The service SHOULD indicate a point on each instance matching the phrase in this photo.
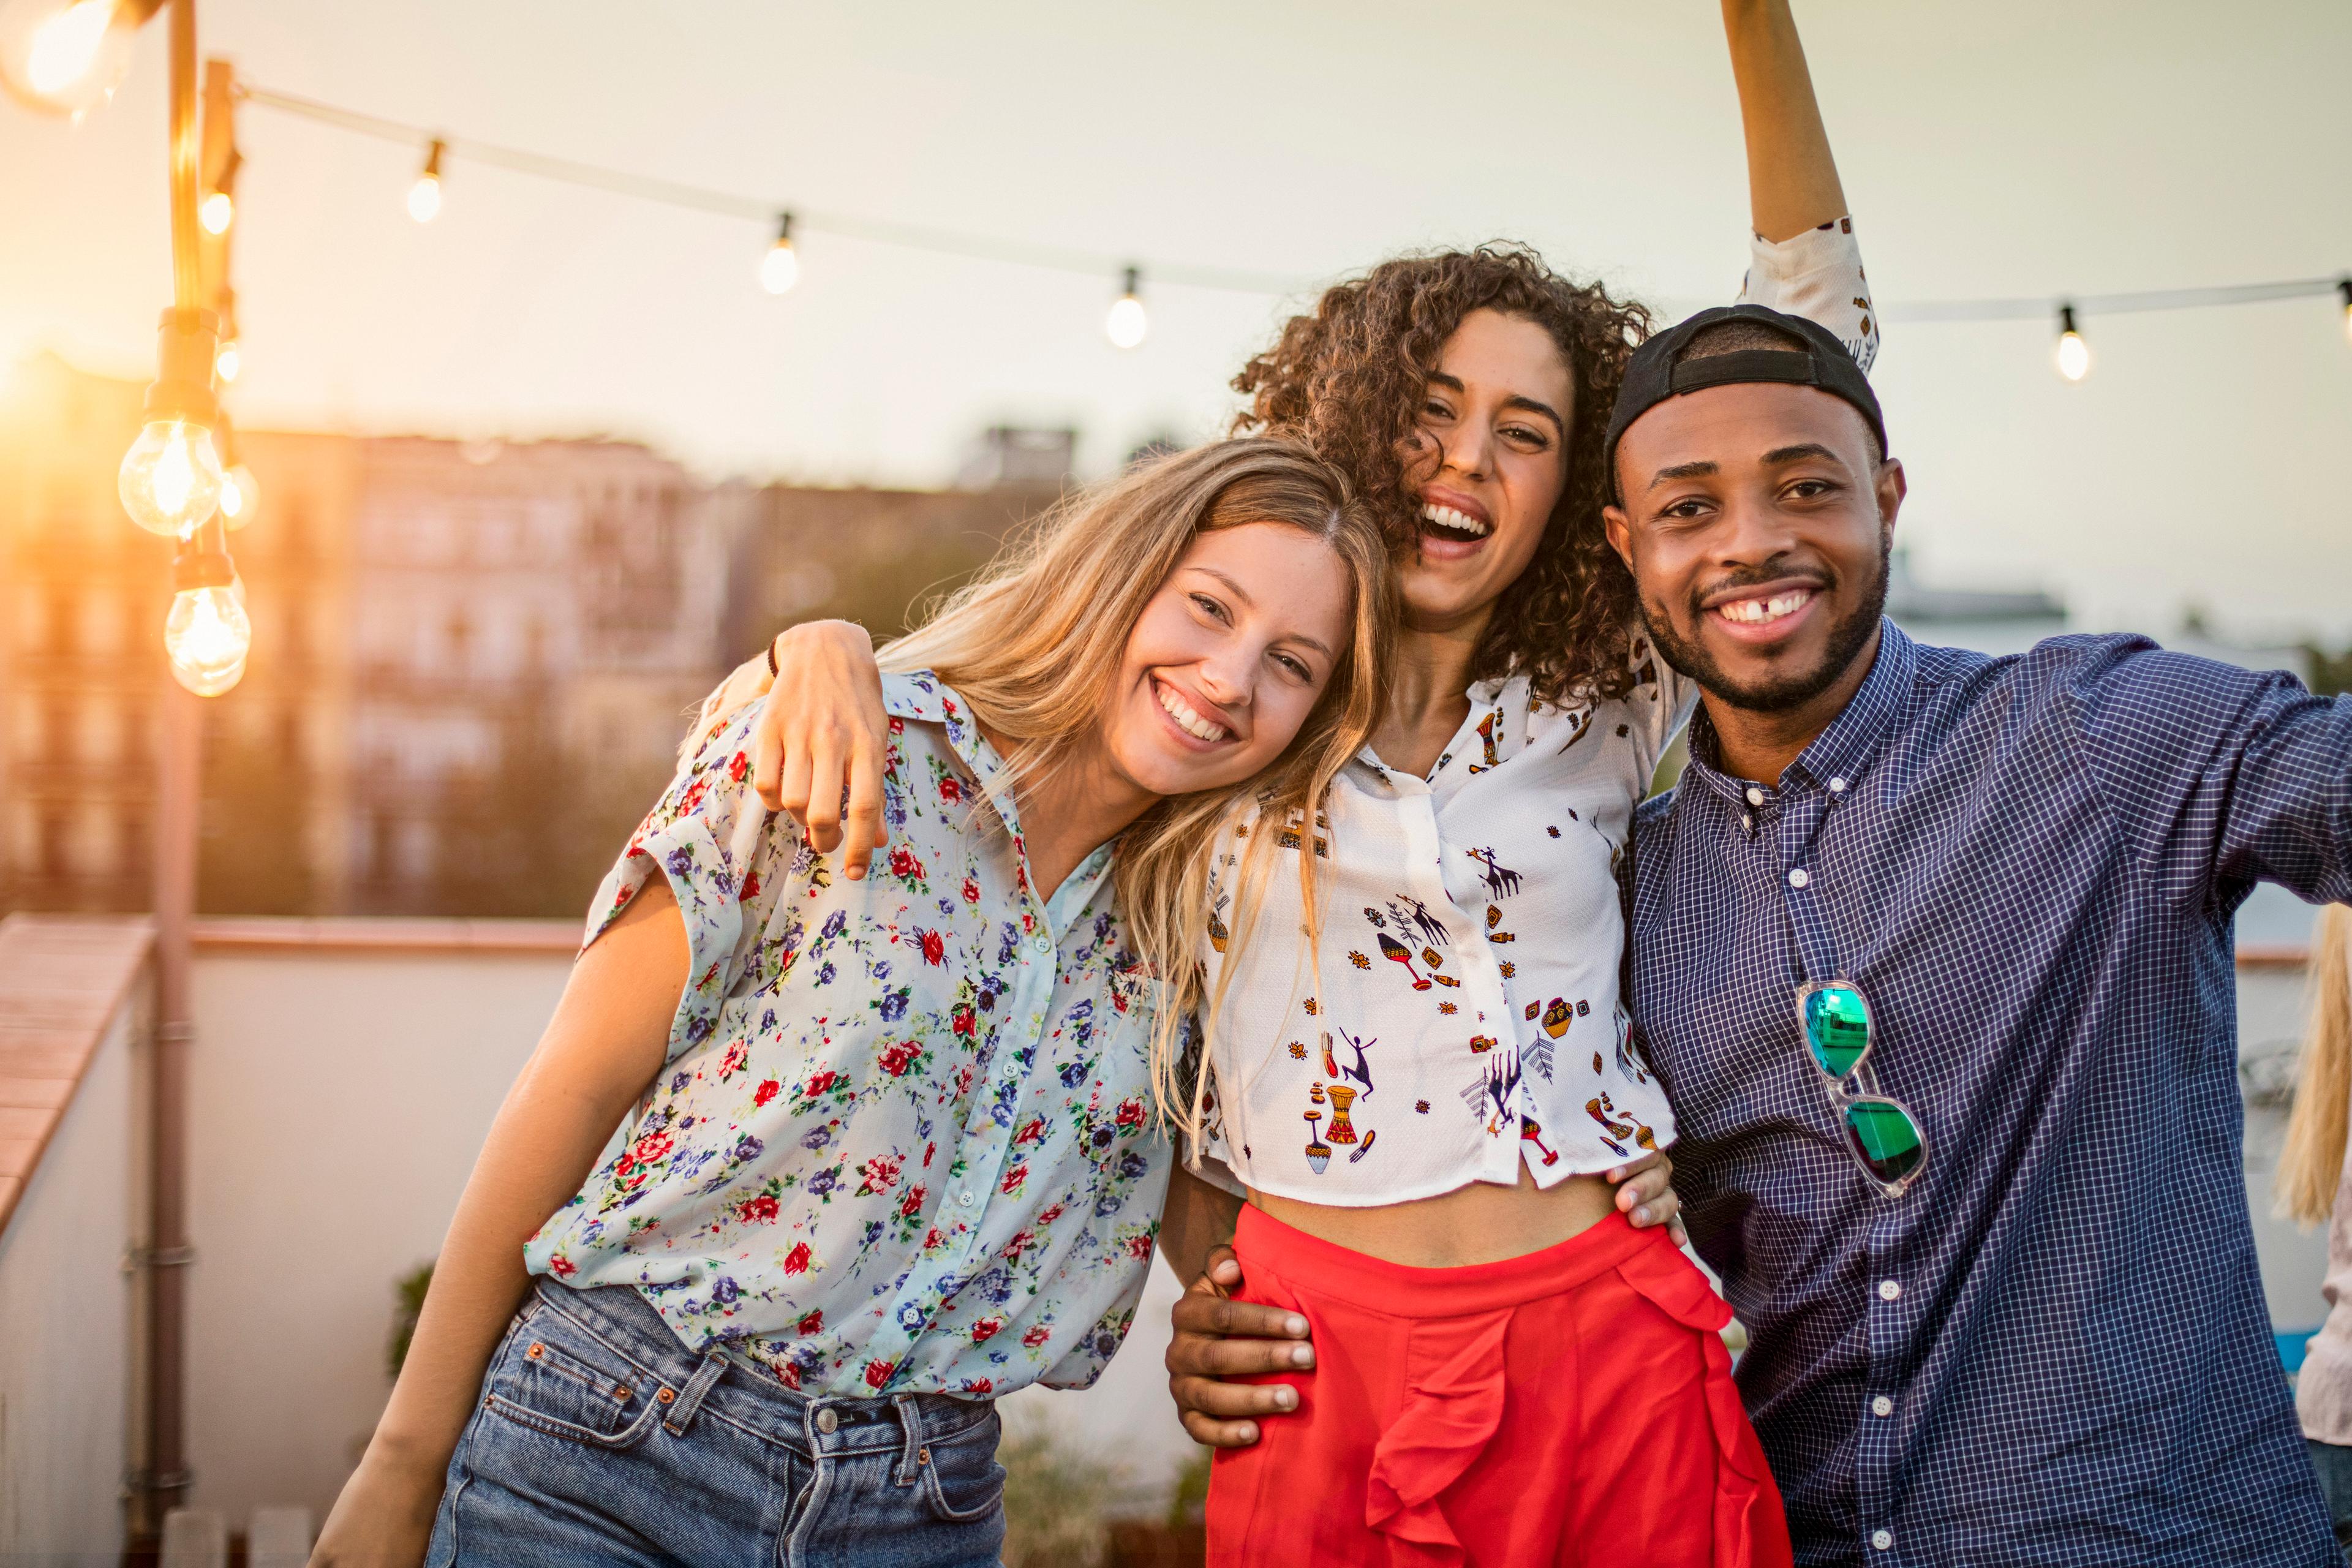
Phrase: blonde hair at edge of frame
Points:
(1034, 645)
(2312, 1166)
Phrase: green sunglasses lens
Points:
(1885, 1137)
(1837, 1028)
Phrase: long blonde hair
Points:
(1034, 643)
(2312, 1165)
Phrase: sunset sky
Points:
(1999, 148)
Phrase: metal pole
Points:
(179, 786)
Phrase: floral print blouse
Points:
(901, 1143)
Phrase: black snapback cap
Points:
(1651, 376)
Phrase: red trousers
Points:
(1569, 1408)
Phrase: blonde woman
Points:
(2312, 1188)
(884, 1150)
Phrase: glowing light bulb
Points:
(228, 362)
(2345, 289)
(424, 196)
(781, 268)
(207, 636)
(218, 211)
(171, 479)
(2074, 353)
(64, 56)
(1127, 325)
(240, 497)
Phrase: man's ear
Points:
(1620, 529)
(1891, 488)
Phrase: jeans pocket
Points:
(556, 1377)
(964, 1481)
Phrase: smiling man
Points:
(1934, 953)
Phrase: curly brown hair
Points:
(1348, 379)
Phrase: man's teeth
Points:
(1753, 612)
(1460, 521)
(1192, 723)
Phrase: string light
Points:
(67, 56)
(424, 196)
(2344, 287)
(780, 267)
(229, 362)
(171, 479)
(1128, 309)
(217, 213)
(2074, 353)
(1126, 323)
(208, 634)
(240, 492)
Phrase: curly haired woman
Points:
(1409, 1122)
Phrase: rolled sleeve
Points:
(1818, 275)
(710, 838)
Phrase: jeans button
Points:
(826, 1421)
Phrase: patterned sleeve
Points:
(1818, 275)
(727, 858)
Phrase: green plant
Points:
(1190, 1504)
(408, 1299)
(1054, 1501)
(2331, 673)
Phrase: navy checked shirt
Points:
(2053, 1348)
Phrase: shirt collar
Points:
(1838, 755)
(920, 695)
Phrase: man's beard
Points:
(1781, 693)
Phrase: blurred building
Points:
(471, 664)
(872, 556)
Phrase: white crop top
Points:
(1465, 1015)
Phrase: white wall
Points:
(339, 1100)
(66, 1325)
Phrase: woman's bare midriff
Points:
(1482, 1223)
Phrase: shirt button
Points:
(1747, 820)
(826, 1421)
(1837, 787)
(1882, 1539)
(963, 1200)
(1881, 1405)
(1888, 1290)
(1043, 944)
(1755, 795)
(1799, 878)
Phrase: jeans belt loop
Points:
(690, 1399)
(914, 1454)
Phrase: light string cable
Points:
(673, 193)
(1071, 259)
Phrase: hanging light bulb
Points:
(240, 497)
(218, 211)
(171, 479)
(207, 633)
(229, 362)
(424, 196)
(1127, 325)
(67, 56)
(2344, 287)
(780, 267)
(2074, 353)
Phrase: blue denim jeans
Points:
(601, 1440)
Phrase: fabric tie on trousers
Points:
(1741, 1495)
(1453, 1384)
